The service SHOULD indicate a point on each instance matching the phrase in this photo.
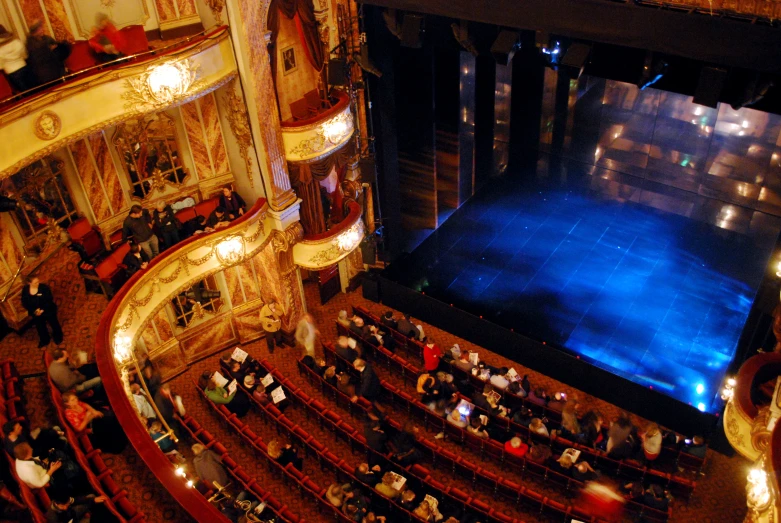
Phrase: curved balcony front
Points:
(322, 250)
(139, 300)
(96, 99)
(326, 131)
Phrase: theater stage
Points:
(650, 286)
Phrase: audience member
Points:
(135, 260)
(329, 376)
(539, 397)
(342, 319)
(463, 362)
(538, 427)
(619, 431)
(168, 403)
(45, 56)
(232, 203)
(570, 426)
(459, 420)
(366, 475)
(32, 471)
(162, 439)
(358, 327)
(477, 428)
(376, 437)
(142, 402)
(404, 442)
(523, 416)
(194, 226)
(285, 453)
(106, 434)
(481, 400)
(343, 349)
(337, 494)
(370, 384)
(165, 221)
(432, 355)
(306, 333)
(388, 321)
(516, 447)
(696, 448)
(583, 472)
(499, 380)
(208, 467)
(557, 402)
(67, 509)
(406, 327)
(385, 487)
(539, 453)
(271, 322)
(655, 498)
(106, 42)
(13, 56)
(652, 441)
(218, 219)
(591, 428)
(139, 227)
(344, 384)
(65, 378)
(38, 301)
(42, 440)
(515, 388)
(372, 518)
(236, 403)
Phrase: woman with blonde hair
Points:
(424, 511)
(652, 441)
(284, 453)
(539, 427)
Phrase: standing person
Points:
(46, 56)
(306, 333)
(431, 356)
(166, 223)
(13, 56)
(232, 202)
(107, 41)
(139, 227)
(370, 384)
(272, 323)
(37, 299)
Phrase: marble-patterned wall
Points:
(99, 176)
(32, 11)
(10, 254)
(204, 135)
(58, 19)
(242, 284)
(173, 10)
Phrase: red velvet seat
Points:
(87, 236)
(5, 87)
(81, 57)
(135, 40)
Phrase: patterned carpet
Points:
(719, 496)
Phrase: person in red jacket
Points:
(106, 42)
(516, 447)
(431, 355)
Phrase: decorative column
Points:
(250, 40)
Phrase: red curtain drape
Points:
(303, 11)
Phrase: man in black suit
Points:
(482, 402)
(359, 328)
(135, 260)
(388, 321)
(406, 327)
(370, 383)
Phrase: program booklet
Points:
(267, 380)
(573, 453)
(398, 481)
(232, 387)
(494, 397)
(512, 375)
(239, 355)
(474, 358)
(484, 375)
(219, 379)
(277, 395)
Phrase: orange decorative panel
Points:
(55, 12)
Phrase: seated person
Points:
(463, 362)
(135, 260)
(407, 500)
(142, 402)
(539, 453)
(385, 487)
(582, 471)
(337, 494)
(652, 441)
(163, 440)
(404, 444)
(697, 447)
(41, 440)
(557, 402)
(406, 327)
(458, 419)
(498, 380)
(345, 349)
(329, 376)
(371, 517)
(208, 467)
(107, 435)
(344, 384)
(194, 226)
(516, 447)
(66, 378)
(523, 416)
(536, 425)
(432, 355)
(232, 203)
(236, 403)
(656, 498)
(591, 428)
(426, 512)
(358, 327)
(366, 475)
(483, 401)
(539, 397)
(217, 219)
(67, 509)
(33, 472)
(342, 319)
(285, 453)
(374, 432)
(428, 388)
(237, 373)
(388, 321)
(515, 388)
(477, 428)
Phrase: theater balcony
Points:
(318, 127)
(317, 251)
(98, 96)
(138, 304)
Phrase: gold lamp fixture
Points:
(162, 84)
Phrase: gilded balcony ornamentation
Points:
(323, 134)
(325, 249)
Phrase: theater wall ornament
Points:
(47, 125)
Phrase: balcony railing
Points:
(316, 137)
(138, 300)
(322, 250)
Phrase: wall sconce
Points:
(350, 238)
(230, 251)
(162, 84)
(338, 128)
(123, 352)
(729, 389)
(757, 491)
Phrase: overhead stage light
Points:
(365, 63)
(461, 33)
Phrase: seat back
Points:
(80, 57)
(300, 109)
(135, 39)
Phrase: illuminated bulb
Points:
(698, 111)
(731, 382)
(190, 484)
(180, 472)
(701, 407)
(230, 250)
(700, 388)
(122, 348)
(745, 124)
(741, 133)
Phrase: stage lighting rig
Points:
(365, 63)
(756, 89)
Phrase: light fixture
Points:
(350, 238)
(338, 128)
(729, 389)
(757, 490)
(230, 251)
(163, 84)
(122, 348)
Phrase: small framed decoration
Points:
(289, 63)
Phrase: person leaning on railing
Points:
(13, 60)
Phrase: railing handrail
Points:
(768, 363)
(343, 100)
(44, 89)
(353, 216)
(147, 449)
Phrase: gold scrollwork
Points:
(329, 133)
(47, 126)
(165, 84)
(239, 124)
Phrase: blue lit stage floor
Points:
(647, 282)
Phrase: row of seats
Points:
(474, 473)
(98, 474)
(420, 476)
(488, 448)
(12, 409)
(691, 465)
(204, 437)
